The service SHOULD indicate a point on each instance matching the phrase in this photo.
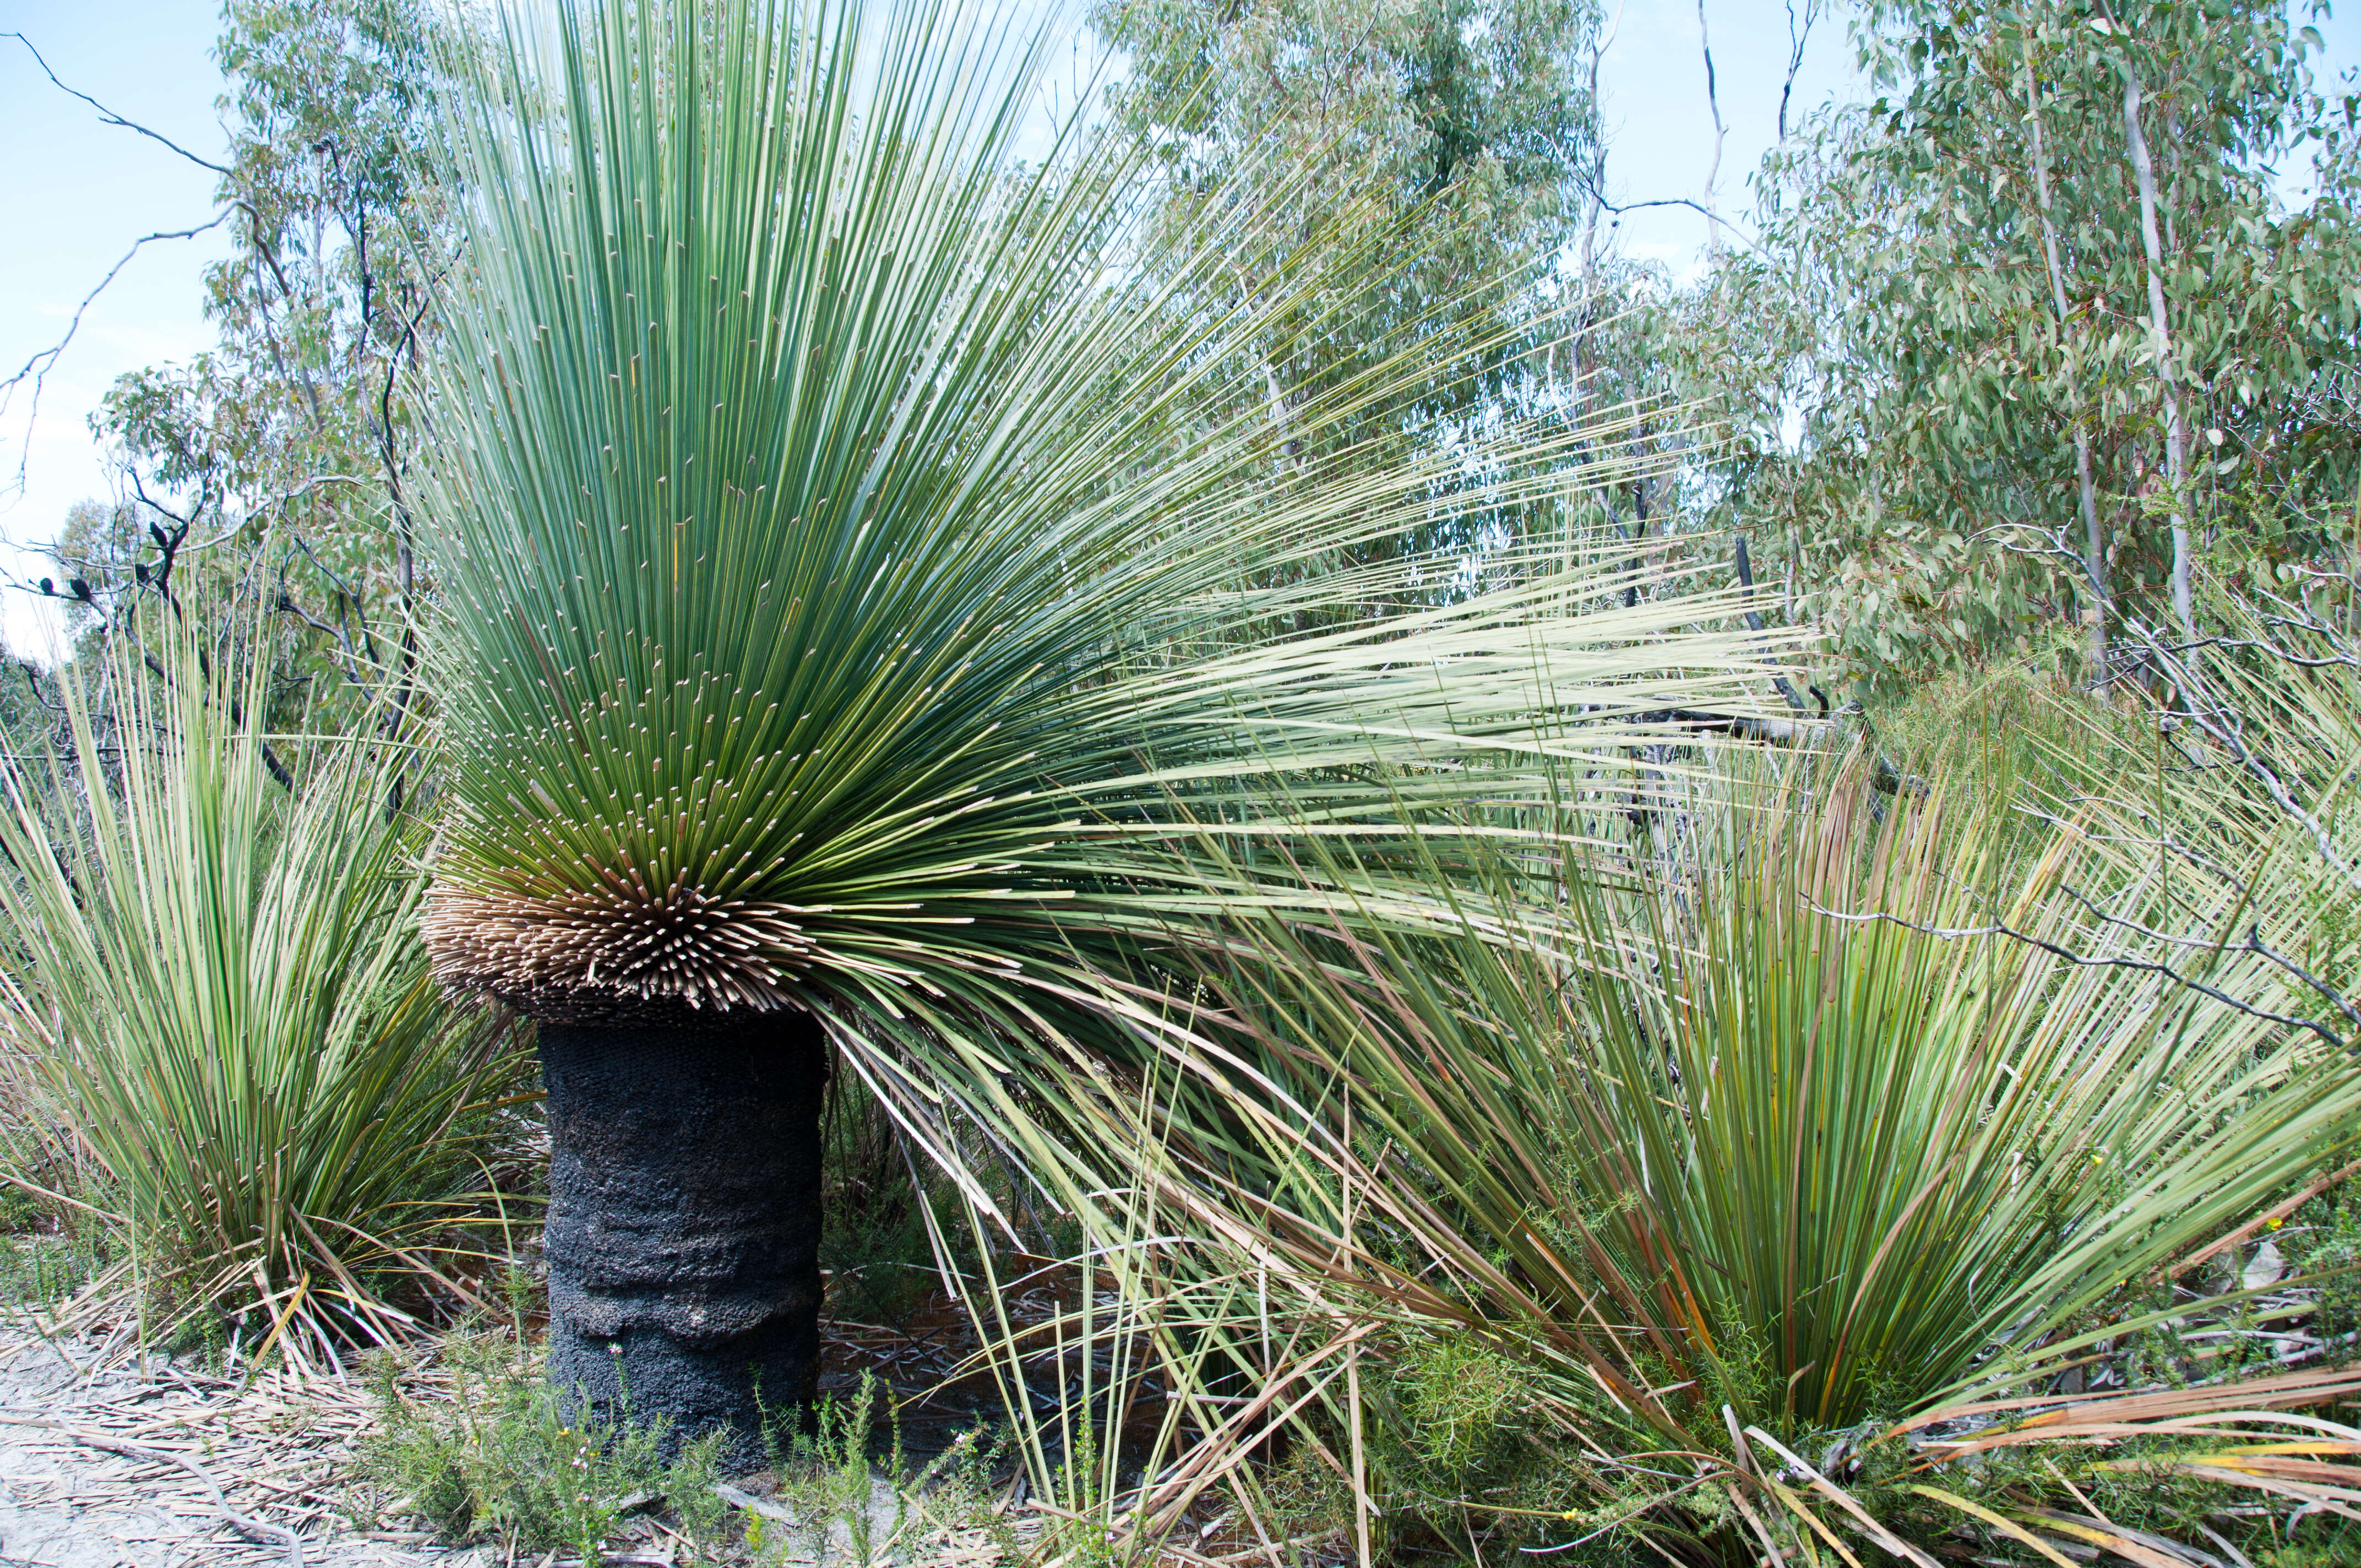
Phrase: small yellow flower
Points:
(2272, 1226)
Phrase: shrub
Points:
(1783, 1150)
(1463, 1413)
(503, 1457)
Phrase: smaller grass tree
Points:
(855, 557)
(226, 1010)
(1839, 1129)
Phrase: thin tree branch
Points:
(1619, 209)
(1713, 168)
(1798, 36)
(2254, 944)
(2227, 728)
(109, 115)
(39, 366)
(2084, 960)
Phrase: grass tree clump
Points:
(1850, 1134)
(854, 559)
(226, 1017)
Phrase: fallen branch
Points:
(256, 1530)
(749, 1503)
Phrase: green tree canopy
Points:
(1953, 292)
(1457, 127)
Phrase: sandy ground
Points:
(107, 1462)
(95, 1466)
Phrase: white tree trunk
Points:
(1713, 169)
(2175, 442)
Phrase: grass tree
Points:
(217, 1004)
(1872, 1120)
(861, 576)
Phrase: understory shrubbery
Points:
(1846, 1155)
(478, 1447)
(496, 1455)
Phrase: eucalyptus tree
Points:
(1462, 125)
(299, 420)
(861, 603)
(1990, 371)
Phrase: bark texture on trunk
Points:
(683, 1235)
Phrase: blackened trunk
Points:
(683, 1235)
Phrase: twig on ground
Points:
(256, 1530)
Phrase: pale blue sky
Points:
(78, 191)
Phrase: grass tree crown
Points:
(860, 558)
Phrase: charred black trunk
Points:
(683, 1235)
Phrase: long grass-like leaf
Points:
(869, 582)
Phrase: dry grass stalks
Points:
(103, 1462)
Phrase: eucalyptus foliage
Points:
(1948, 316)
(294, 430)
(1461, 125)
(853, 604)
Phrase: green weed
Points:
(40, 1271)
(824, 1477)
(1464, 1408)
(823, 1472)
(503, 1460)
